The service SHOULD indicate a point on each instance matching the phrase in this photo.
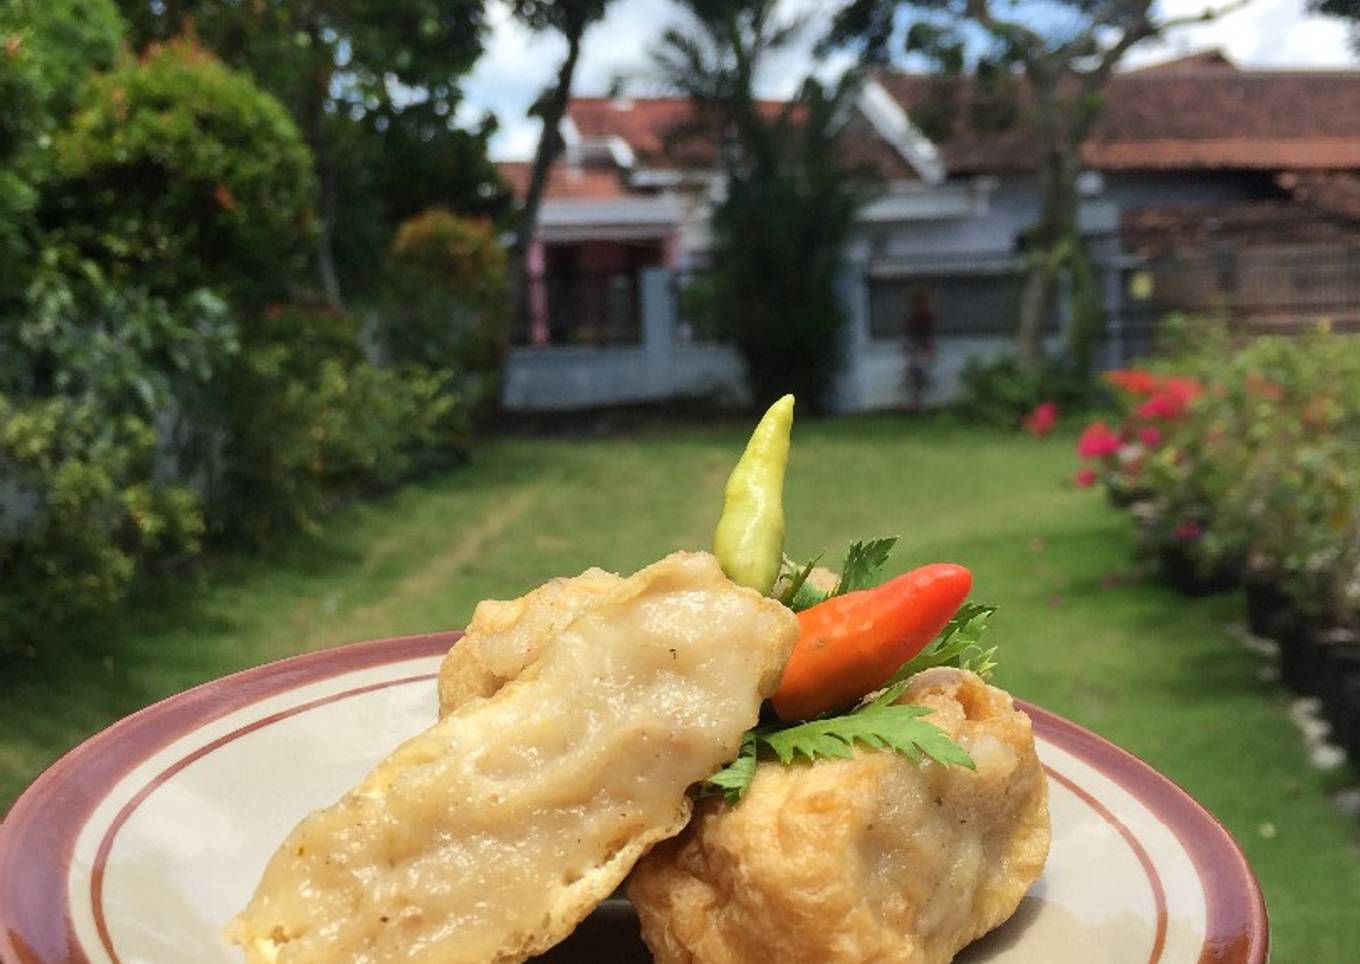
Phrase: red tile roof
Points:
(1197, 113)
(661, 130)
(567, 182)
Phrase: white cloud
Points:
(1265, 33)
(518, 64)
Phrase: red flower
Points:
(1041, 421)
(1098, 441)
(1188, 389)
(1085, 478)
(1189, 531)
(1171, 401)
(1150, 436)
(1135, 381)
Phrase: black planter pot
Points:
(1302, 656)
(1341, 694)
(1348, 727)
(1181, 571)
(1122, 497)
(1268, 608)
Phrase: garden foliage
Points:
(164, 382)
(447, 298)
(313, 423)
(47, 49)
(178, 173)
(1245, 460)
(1001, 392)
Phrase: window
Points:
(947, 305)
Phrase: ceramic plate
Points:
(138, 845)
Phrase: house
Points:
(1207, 188)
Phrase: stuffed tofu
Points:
(889, 810)
(863, 795)
(492, 834)
(873, 857)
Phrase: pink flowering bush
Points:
(1118, 455)
(1243, 459)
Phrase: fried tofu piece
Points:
(868, 859)
(491, 835)
(505, 636)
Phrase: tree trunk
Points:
(549, 145)
(1035, 298)
(325, 238)
(1057, 225)
(313, 122)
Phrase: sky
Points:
(517, 64)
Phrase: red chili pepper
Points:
(853, 644)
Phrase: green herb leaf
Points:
(957, 645)
(732, 780)
(807, 596)
(798, 583)
(863, 567)
(879, 724)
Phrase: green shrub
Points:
(67, 40)
(448, 299)
(311, 424)
(102, 399)
(1260, 472)
(89, 512)
(1001, 392)
(178, 173)
(77, 336)
(47, 50)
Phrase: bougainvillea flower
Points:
(1167, 405)
(1135, 381)
(1085, 478)
(1189, 531)
(1149, 436)
(1181, 387)
(1041, 421)
(1098, 441)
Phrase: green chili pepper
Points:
(749, 540)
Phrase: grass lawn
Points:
(1156, 673)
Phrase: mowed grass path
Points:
(1159, 674)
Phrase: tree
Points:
(570, 18)
(370, 83)
(789, 203)
(1064, 67)
(179, 173)
(47, 50)
(1346, 10)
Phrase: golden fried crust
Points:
(487, 838)
(870, 859)
(505, 636)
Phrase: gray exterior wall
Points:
(569, 377)
(873, 373)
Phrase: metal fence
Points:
(1249, 291)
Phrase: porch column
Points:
(538, 294)
(847, 394)
(658, 330)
